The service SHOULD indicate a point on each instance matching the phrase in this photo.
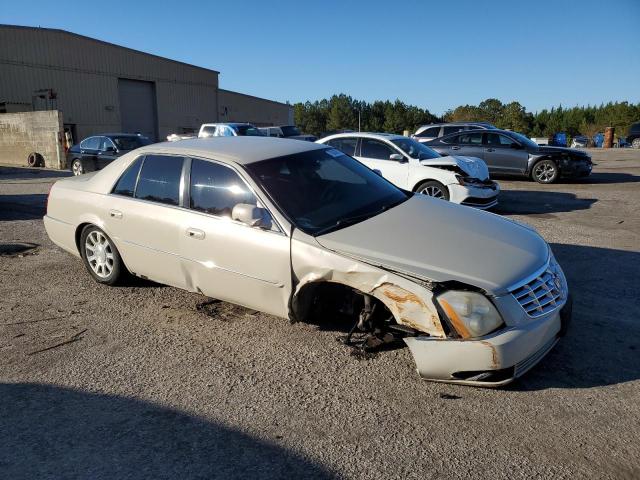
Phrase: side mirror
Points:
(251, 215)
(110, 149)
(397, 157)
(517, 146)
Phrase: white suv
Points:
(228, 130)
(413, 166)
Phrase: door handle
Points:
(195, 233)
(455, 148)
(115, 213)
(491, 150)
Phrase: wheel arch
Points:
(406, 307)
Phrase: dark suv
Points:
(633, 138)
(94, 153)
(511, 153)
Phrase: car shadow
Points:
(529, 202)
(594, 178)
(602, 345)
(604, 177)
(48, 431)
(22, 207)
(19, 173)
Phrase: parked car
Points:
(96, 152)
(302, 231)
(287, 131)
(228, 130)
(413, 166)
(633, 138)
(430, 132)
(579, 141)
(511, 153)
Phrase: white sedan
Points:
(413, 166)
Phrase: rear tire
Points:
(100, 256)
(433, 189)
(77, 168)
(636, 143)
(545, 171)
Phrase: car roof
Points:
(233, 124)
(115, 135)
(477, 130)
(240, 150)
(377, 135)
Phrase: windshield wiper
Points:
(343, 222)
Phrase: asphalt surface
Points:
(137, 382)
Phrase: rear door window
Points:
(450, 130)
(216, 189)
(432, 132)
(455, 139)
(159, 179)
(91, 143)
(126, 186)
(345, 145)
(210, 130)
(470, 138)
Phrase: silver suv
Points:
(432, 131)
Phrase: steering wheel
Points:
(329, 194)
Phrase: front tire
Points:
(77, 168)
(100, 256)
(433, 189)
(545, 171)
(636, 143)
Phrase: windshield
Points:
(415, 149)
(130, 142)
(248, 131)
(325, 190)
(522, 139)
(290, 131)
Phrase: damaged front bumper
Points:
(481, 195)
(493, 360)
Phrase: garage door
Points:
(138, 107)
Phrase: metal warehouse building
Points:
(102, 87)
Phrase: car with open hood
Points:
(413, 166)
(302, 231)
(511, 153)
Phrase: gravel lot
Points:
(141, 384)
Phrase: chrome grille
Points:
(542, 294)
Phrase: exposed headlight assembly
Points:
(470, 313)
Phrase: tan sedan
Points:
(300, 230)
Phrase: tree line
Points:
(342, 112)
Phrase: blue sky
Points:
(434, 54)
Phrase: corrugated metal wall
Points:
(239, 107)
(84, 72)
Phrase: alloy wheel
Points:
(76, 168)
(433, 191)
(544, 172)
(99, 254)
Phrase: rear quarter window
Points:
(126, 185)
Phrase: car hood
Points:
(552, 150)
(441, 241)
(472, 166)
